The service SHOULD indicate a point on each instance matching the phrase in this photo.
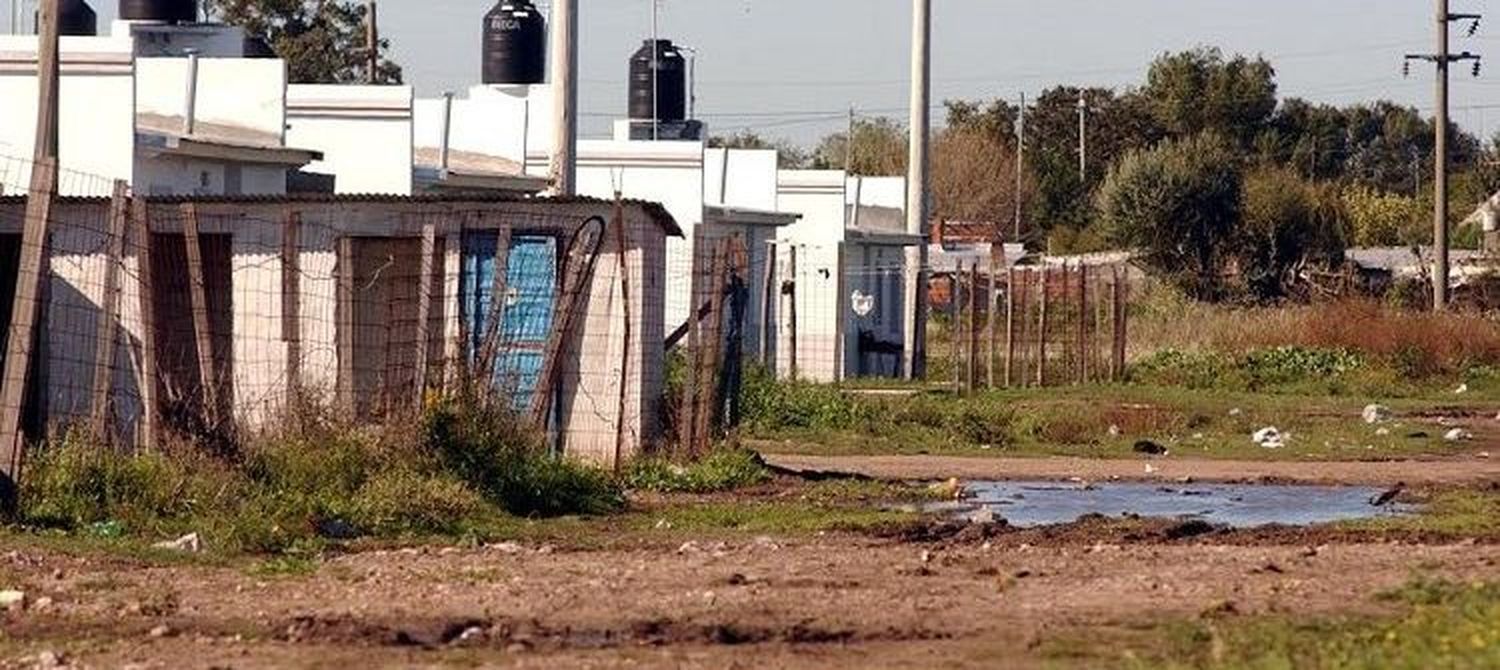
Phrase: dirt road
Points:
(1458, 471)
(836, 601)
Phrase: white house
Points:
(165, 123)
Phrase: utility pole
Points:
(914, 358)
(27, 306)
(372, 43)
(849, 144)
(564, 166)
(1444, 59)
(1020, 166)
(1083, 142)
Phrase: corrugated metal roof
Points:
(655, 210)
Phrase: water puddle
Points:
(1028, 504)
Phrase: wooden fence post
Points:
(345, 327)
(955, 325)
(1083, 323)
(291, 301)
(1041, 349)
(992, 307)
(973, 346)
(687, 421)
(148, 372)
(108, 330)
(622, 248)
(202, 329)
(1120, 315)
(426, 273)
(1010, 327)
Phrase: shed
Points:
(367, 301)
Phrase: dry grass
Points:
(1417, 343)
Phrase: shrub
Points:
(1177, 205)
(1287, 222)
(74, 483)
(1381, 219)
(770, 404)
(722, 470)
(1286, 365)
(1194, 370)
(405, 502)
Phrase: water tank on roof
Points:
(658, 93)
(77, 19)
(515, 44)
(258, 47)
(178, 11)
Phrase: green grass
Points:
(1427, 624)
(766, 518)
(1077, 421)
(1459, 512)
(722, 470)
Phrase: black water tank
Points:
(258, 47)
(670, 100)
(515, 44)
(76, 18)
(181, 11)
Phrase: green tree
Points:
(1191, 92)
(322, 41)
(1177, 205)
(789, 156)
(879, 149)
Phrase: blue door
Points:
(526, 307)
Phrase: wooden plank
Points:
(734, 359)
(21, 341)
(202, 329)
(767, 303)
(148, 371)
(107, 334)
(291, 301)
(345, 326)
(1011, 285)
(708, 373)
(622, 251)
(687, 410)
(582, 255)
(842, 311)
(428, 266)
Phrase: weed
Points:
(722, 470)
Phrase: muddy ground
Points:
(908, 597)
(1450, 471)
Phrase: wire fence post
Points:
(148, 369)
(790, 292)
(767, 303)
(955, 326)
(973, 328)
(291, 301)
(202, 329)
(992, 306)
(1083, 323)
(1120, 316)
(108, 330)
(1010, 327)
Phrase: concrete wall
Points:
(364, 132)
(248, 95)
(593, 369)
(749, 182)
(96, 113)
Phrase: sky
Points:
(791, 68)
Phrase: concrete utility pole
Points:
(564, 170)
(27, 307)
(1020, 166)
(1443, 59)
(1083, 140)
(914, 355)
(372, 43)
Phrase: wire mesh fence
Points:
(205, 319)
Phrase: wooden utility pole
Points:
(564, 167)
(27, 308)
(918, 172)
(1443, 59)
(372, 43)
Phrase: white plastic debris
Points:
(1382, 432)
(983, 515)
(189, 543)
(1374, 414)
(1236, 411)
(1150, 469)
(1114, 431)
(1268, 438)
(12, 600)
(1462, 389)
(1458, 435)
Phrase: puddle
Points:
(1027, 504)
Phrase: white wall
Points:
(750, 182)
(817, 195)
(501, 121)
(95, 112)
(364, 132)
(246, 94)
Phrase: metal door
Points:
(516, 345)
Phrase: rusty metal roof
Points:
(655, 210)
